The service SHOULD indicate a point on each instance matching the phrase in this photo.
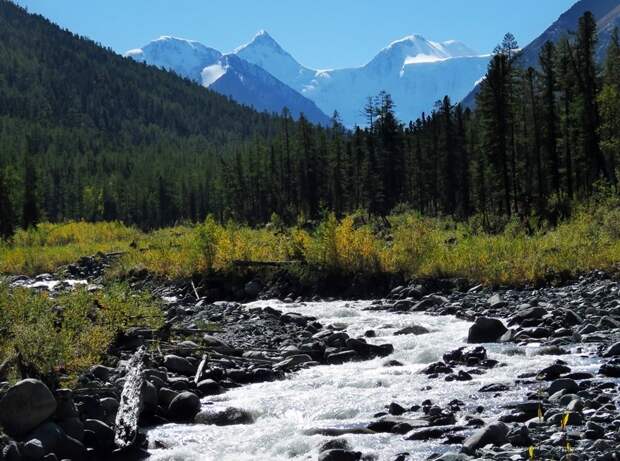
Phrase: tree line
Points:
(145, 147)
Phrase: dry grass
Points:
(411, 244)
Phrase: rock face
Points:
(486, 330)
(25, 406)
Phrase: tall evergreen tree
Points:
(550, 117)
(30, 209)
(7, 210)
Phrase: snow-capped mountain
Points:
(185, 57)
(227, 74)
(265, 52)
(415, 71)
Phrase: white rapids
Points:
(350, 394)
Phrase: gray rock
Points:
(496, 301)
(292, 362)
(495, 434)
(101, 373)
(340, 455)
(563, 384)
(10, 452)
(412, 330)
(486, 330)
(613, 350)
(178, 364)
(166, 396)
(209, 387)
(216, 344)
(341, 357)
(229, 416)
(33, 450)
(65, 407)
(184, 407)
(25, 406)
(335, 444)
(103, 433)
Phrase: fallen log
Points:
(130, 406)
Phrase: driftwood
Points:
(246, 263)
(201, 368)
(131, 403)
(195, 290)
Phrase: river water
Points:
(350, 394)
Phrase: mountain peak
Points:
(262, 40)
(185, 57)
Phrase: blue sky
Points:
(319, 33)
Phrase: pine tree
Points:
(550, 117)
(30, 208)
(7, 210)
(494, 108)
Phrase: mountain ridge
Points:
(207, 66)
(413, 69)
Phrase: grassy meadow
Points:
(405, 243)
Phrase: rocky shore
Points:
(209, 347)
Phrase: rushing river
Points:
(350, 394)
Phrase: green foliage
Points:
(73, 331)
(207, 239)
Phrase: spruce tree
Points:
(30, 207)
(7, 210)
(550, 117)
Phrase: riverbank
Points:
(563, 335)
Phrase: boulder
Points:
(184, 407)
(340, 455)
(496, 301)
(612, 351)
(495, 434)
(103, 433)
(229, 416)
(25, 406)
(209, 387)
(335, 444)
(292, 362)
(177, 364)
(412, 330)
(65, 407)
(567, 385)
(486, 330)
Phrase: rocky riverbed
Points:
(433, 371)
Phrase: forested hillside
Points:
(88, 134)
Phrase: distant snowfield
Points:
(415, 71)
